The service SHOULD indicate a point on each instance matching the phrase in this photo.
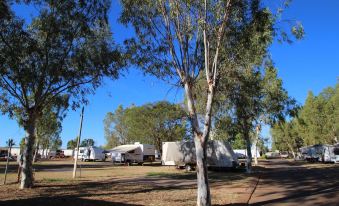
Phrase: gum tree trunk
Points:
(36, 151)
(27, 171)
(200, 141)
(204, 196)
(249, 153)
(292, 151)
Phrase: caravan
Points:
(133, 153)
(321, 153)
(90, 154)
(182, 154)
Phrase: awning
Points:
(124, 148)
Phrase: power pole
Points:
(10, 144)
(78, 143)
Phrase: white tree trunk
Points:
(200, 141)
(291, 148)
(27, 171)
(255, 151)
(204, 197)
(249, 154)
(36, 151)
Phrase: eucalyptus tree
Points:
(48, 128)
(179, 40)
(65, 49)
(285, 137)
(151, 123)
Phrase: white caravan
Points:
(68, 152)
(133, 153)
(321, 153)
(242, 153)
(90, 154)
(219, 154)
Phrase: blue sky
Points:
(310, 64)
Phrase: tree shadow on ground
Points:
(61, 200)
(291, 182)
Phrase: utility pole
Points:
(10, 144)
(78, 143)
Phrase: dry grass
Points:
(104, 184)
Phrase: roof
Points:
(124, 148)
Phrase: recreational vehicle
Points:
(320, 153)
(68, 152)
(90, 154)
(182, 154)
(133, 153)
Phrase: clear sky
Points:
(310, 64)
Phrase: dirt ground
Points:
(275, 182)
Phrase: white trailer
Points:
(320, 153)
(242, 153)
(219, 154)
(133, 153)
(68, 152)
(90, 154)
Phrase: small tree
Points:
(66, 50)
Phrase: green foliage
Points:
(148, 124)
(87, 143)
(285, 137)
(65, 50)
(115, 128)
(22, 144)
(48, 127)
(72, 144)
(315, 123)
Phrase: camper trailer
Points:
(133, 153)
(320, 153)
(90, 154)
(68, 152)
(182, 154)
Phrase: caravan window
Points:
(81, 151)
(336, 150)
(131, 152)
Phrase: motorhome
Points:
(133, 153)
(90, 154)
(182, 154)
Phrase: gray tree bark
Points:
(36, 151)
(27, 170)
(249, 153)
(200, 141)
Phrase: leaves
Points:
(148, 124)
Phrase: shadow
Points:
(296, 183)
(58, 167)
(61, 200)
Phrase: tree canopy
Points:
(317, 122)
(149, 124)
(64, 51)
